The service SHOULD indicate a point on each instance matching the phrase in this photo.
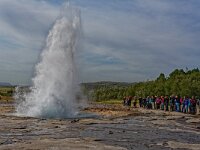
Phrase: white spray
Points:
(53, 93)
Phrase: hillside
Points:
(179, 82)
(5, 84)
(95, 85)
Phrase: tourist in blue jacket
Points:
(186, 104)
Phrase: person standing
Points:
(162, 102)
(198, 106)
(172, 103)
(134, 102)
(144, 101)
(193, 105)
(124, 101)
(177, 103)
(129, 100)
(153, 102)
(166, 102)
(149, 104)
(158, 102)
(140, 102)
(183, 104)
(186, 104)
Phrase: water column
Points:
(53, 93)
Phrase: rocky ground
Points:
(113, 127)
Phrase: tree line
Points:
(179, 82)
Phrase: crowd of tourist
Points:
(168, 103)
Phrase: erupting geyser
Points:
(53, 93)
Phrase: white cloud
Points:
(24, 25)
(123, 40)
(148, 39)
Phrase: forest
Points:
(179, 82)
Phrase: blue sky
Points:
(123, 40)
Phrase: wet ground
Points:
(115, 128)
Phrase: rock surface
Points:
(115, 128)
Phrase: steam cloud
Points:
(53, 93)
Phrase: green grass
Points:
(6, 93)
(112, 101)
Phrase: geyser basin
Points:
(54, 89)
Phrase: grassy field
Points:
(112, 101)
(6, 94)
(115, 101)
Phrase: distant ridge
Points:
(5, 84)
(94, 85)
